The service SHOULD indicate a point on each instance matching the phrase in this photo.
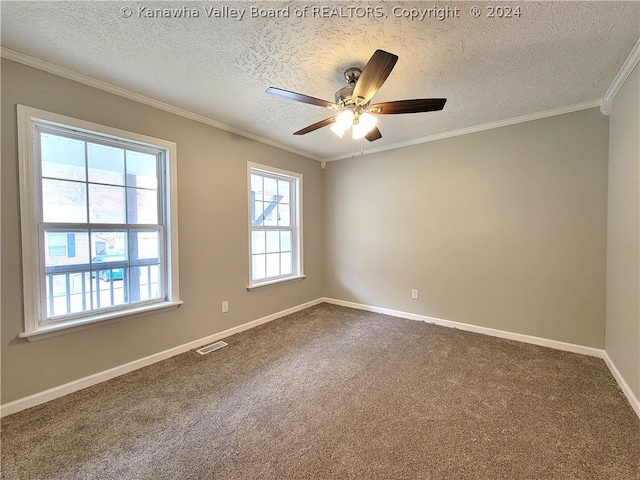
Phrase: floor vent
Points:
(211, 348)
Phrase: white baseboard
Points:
(62, 390)
(626, 389)
(544, 342)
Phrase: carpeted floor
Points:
(336, 393)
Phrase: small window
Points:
(275, 199)
(57, 244)
(99, 222)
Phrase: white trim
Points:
(478, 128)
(32, 260)
(136, 97)
(275, 282)
(28, 219)
(92, 82)
(519, 337)
(543, 342)
(624, 386)
(296, 205)
(60, 328)
(627, 67)
(76, 385)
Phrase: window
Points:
(61, 244)
(275, 205)
(99, 222)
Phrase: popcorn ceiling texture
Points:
(555, 54)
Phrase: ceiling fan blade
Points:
(373, 76)
(316, 126)
(408, 106)
(298, 97)
(374, 134)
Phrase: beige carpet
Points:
(336, 393)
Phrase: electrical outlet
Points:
(414, 293)
(225, 306)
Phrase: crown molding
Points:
(627, 67)
(604, 104)
(478, 128)
(107, 87)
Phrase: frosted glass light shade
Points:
(365, 123)
(342, 123)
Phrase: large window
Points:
(99, 222)
(275, 200)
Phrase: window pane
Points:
(66, 248)
(272, 246)
(284, 215)
(62, 157)
(78, 290)
(145, 283)
(57, 295)
(144, 246)
(270, 187)
(142, 170)
(142, 206)
(110, 289)
(108, 242)
(273, 264)
(258, 210)
(283, 190)
(273, 241)
(68, 293)
(106, 164)
(64, 201)
(256, 187)
(106, 204)
(257, 241)
(286, 263)
(285, 241)
(271, 212)
(258, 267)
(120, 293)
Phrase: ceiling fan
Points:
(354, 100)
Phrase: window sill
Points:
(275, 282)
(61, 328)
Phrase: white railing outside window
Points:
(99, 222)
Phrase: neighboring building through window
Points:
(275, 204)
(61, 244)
(99, 222)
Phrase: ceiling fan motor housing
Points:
(344, 95)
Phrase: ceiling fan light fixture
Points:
(342, 123)
(353, 101)
(366, 122)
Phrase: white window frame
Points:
(30, 216)
(297, 207)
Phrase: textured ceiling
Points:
(555, 54)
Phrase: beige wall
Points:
(504, 228)
(213, 237)
(623, 236)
